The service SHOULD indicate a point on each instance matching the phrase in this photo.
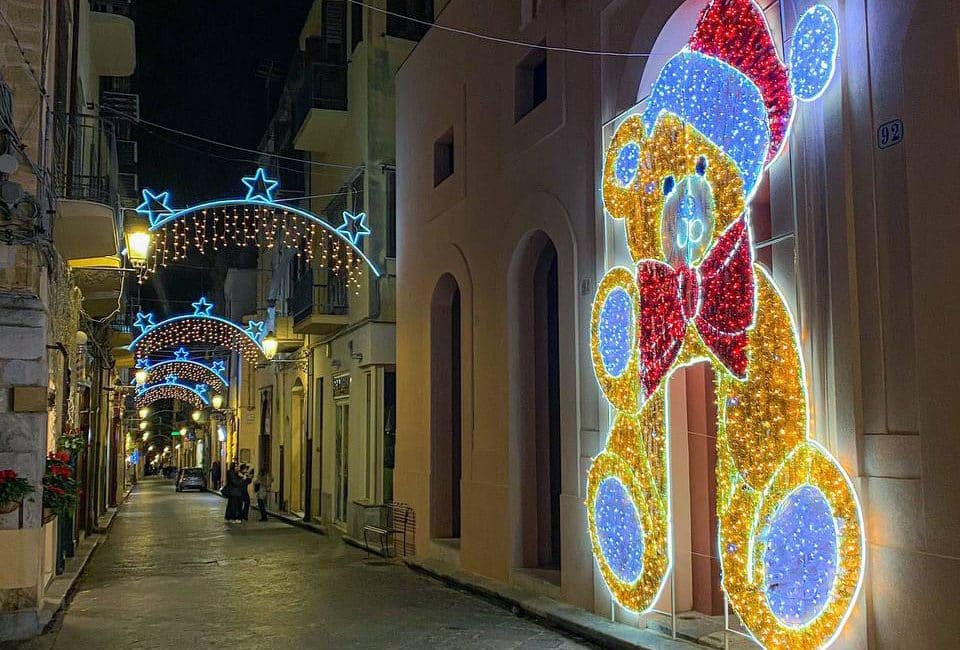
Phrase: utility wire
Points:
(498, 39)
(16, 40)
(140, 120)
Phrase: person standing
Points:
(263, 485)
(233, 490)
(247, 475)
(215, 475)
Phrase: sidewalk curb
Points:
(287, 519)
(563, 616)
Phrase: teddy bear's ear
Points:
(814, 53)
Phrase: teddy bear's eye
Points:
(702, 165)
(668, 184)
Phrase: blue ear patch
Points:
(814, 54)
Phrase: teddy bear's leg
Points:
(626, 486)
(627, 507)
(791, 541)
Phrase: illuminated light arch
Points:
(195, 395)
(183, 367)
(200, 327)
(254, 219)
(791, 533)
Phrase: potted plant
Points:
(60, 488)
(13, 489)
(71, 441)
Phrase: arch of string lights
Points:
(680, 176)
(200, 327)
(172, 388)
(183, 367)
(255, 219)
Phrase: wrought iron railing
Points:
(85, 153)
(308, 298)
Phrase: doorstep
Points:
(294, 520)
(555, 613)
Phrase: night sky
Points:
(197, 66)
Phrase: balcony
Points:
(113, 47)
(319, 308)
(87, 229)
(320, 105)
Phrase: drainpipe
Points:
(308, 484)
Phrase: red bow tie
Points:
(718, 296)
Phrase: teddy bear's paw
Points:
(628, 519)
(792, 553)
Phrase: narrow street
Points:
(172, 574)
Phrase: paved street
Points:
(172, 574)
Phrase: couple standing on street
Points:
(237, 491)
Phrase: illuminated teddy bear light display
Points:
(680, 175)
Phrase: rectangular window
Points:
(443, 158)
(530, 83)
(401, 12)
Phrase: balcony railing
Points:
(308, 298)
(85, 150)
(324, 86)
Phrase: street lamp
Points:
(143, 425)
(217, 401)
(270, 346)
(195, 416)
(138, 246)
(141, 376)
(183, 431)
(146, 436)
(144, 412)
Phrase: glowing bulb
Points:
(143, 425)
(270, 346)
(144, 412)
(217, 401)
(195, 416)
(141, 376)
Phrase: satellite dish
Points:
(8, 163)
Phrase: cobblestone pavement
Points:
(173, 574)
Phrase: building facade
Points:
(321, 415)
(503, 237)
(59, 284)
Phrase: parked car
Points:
(191, 478)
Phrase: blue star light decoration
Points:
(202, 307)
(144, 363)
(144, 322)
(155, 205)
(171, 379)
(218, 367)
(202, 389)
(182, 354)
(259, 187)
(255, 329)
(354, 227)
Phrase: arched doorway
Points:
(445, 410)
(537, 446)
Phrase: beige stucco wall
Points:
(867, 267)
